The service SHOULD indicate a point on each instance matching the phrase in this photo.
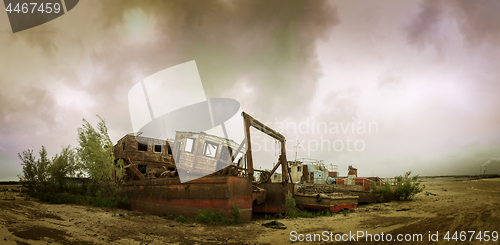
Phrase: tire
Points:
(318, 198)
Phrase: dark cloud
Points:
(228, 39)
(270, 41)
(28, 120)
(263, 54)
(424, 29)
(478, 22)
(31, 107)
(42, 37)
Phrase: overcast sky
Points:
(407, 85)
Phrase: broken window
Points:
(142, 147)
(189, 145)
(123, 146)
(210, 149)
(169, 150)
(158, 148)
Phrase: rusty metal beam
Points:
(284, 162)
(237, 150)
(263, 128)
(249, 161)
(136, 171)
(276, 166)
(250, 121)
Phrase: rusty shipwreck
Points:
(223, 174)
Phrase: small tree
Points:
(290, 205)
(63, 165)
(407, 187)
(35, 172)
(43, 165)
(29, 176)
(382, 192)
(96, 154)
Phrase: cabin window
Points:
(169, 150)
(158, 148)
(142, 147)
(210, 149)
(189, 145)
(298, 168)
(123, 146)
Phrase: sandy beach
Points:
(469, 206)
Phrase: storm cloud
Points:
(426, 72)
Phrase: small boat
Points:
(334, 202)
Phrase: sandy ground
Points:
(458, 206)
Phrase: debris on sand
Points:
(275, 225)
(403, 209)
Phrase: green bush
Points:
(290, 206)
(305, 214)
(290, 202)
(293, 214)
(215, 218)
(236, 214)
(95, 152)
(47, 179)
(326, 213)
(382, 192)
(210, 217)
(407, 187)
(181, 219)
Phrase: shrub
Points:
(47, 179)
(181, 219)
(407, 187)
(215, 218)
(290, 201)
(293, 214)
(29, 175)
(236, 214)
(209, 217)
(96, 154)
(381, 193)
(305, 214)
(290, 206)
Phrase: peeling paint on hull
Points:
(167, 197)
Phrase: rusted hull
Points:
(170, 197)
(365, 197)
(275, 197)
(331, 203)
